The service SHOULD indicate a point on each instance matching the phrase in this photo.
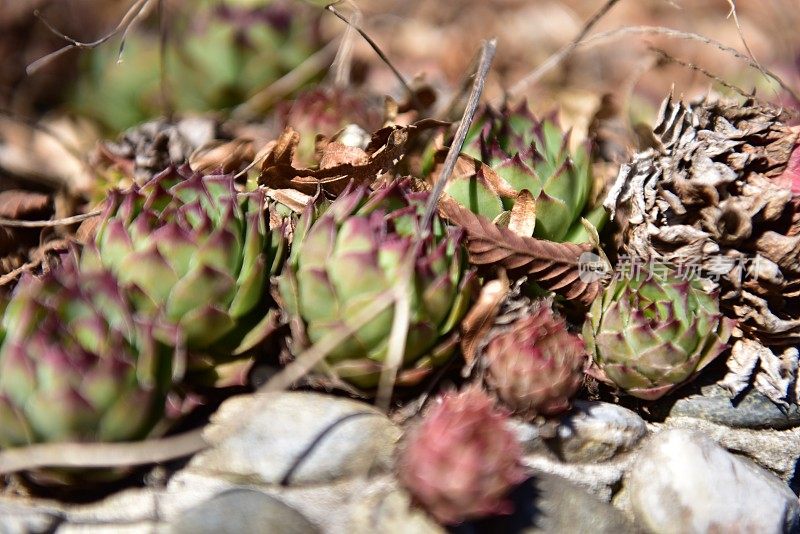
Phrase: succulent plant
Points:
(76, 364)
(192, 250)
(461, 460)
(351, 255)
(220, 54)
(648, 336)
(524, 153)
(534, 364)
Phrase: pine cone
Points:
(714, 199)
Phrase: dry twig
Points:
(402, 312)
(672, 59)
(132, 15)
(522, 85)
(66, 221)
(619, 33)
(375, 48)
(85, 455)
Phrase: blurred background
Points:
(224, 56)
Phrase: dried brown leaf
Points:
(18, 204)
(335, 154)
(291, 198)
(554, 266)
(467, 166)
(480, 318)
(228, 156)
(385, 150)
(523, 214)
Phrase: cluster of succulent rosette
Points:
(178, 268)
(183, 272)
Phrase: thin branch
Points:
(131, 15)
(735, 16)
(619, 33)
(667, 57)
(140, 14)
(487, 55)
(14, 223)
(402, 289)
(12, 275)
(522, 85)
(85, 455)
(448, 112)
(289, 82)
(374, 46)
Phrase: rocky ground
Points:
(306, 461)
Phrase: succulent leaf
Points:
(529, 154)
(350, 255)
(462, 459)
(649, 336)
(77, 364)
(192, 250)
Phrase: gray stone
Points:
(776, 450)
(596, 432)
(546, 504)
(23, 517)
(592, 446)
(329, 505)
(242, 511)
(142, 527)
(297, 438)
(601, 479)
(391, 512)
(683, 482)
(753, 410)
(128, 506)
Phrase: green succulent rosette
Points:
(76, 364)
(193, 251)
(352, 254)
(220, 53)
(649, 336)
(523, 153)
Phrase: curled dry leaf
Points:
(523, 214)
(480, 319)
(751, 363)
(335, 154)
(468, 167)
(223, 156)
(385, 150)
(554, 266)
(291, 198)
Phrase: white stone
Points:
(683, 482)
(297, 438)
(596, 431)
